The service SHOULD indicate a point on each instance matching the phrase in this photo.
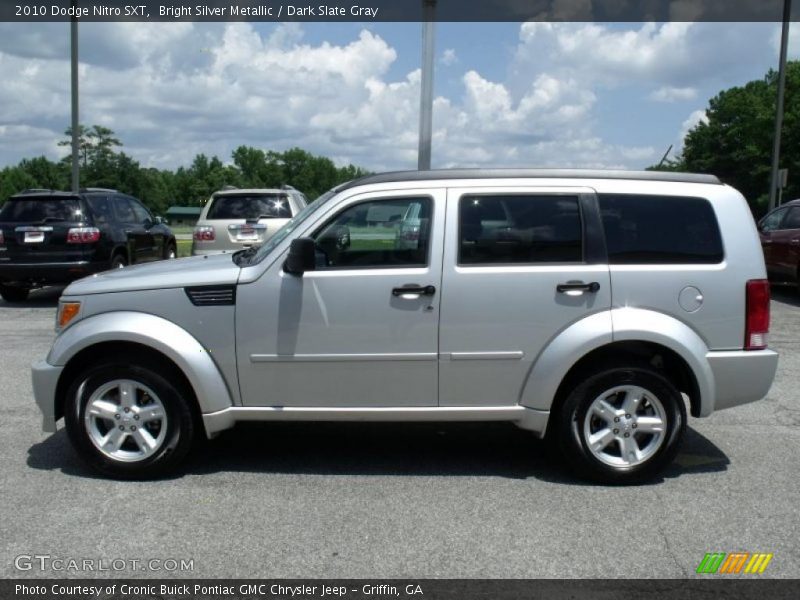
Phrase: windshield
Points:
(249, 206)
(289, 227)
(40, 210)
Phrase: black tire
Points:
(179, 426)
(170, 251)
(569, 426)
(14, 294)
(118, 261)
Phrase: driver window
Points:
(376, 234)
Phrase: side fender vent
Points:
(212, 295)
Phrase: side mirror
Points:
(302, 256)
(161, 221)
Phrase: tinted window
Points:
(519, 229)
(660, 230)
(272, 206)
(773, 220)
(377, 234)
(123, 210)
(140, 211)
(101, 209)
(42, 209)
(792, 219)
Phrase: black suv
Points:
(49, 237)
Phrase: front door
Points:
(518, 270)
(362, 329)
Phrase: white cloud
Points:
(449, 57)
(173, 90)
(673, 94)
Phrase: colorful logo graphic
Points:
(734, 563)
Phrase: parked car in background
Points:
(780, 240)
(49, 237)
(233, 219)
(595, 308)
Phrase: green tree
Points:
(736, 142)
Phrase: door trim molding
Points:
(418, 356)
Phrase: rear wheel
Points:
(621, 425)
(127, 421)
(119, 261)
(14, 294)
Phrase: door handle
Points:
(576, 288)
(414, 290)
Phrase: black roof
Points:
(398, 176)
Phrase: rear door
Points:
(140, 243)
(35, 229)
(153, 237)
(518, 269)
(768, 231)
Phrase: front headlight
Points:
(67, 312)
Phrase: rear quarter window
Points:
(644, 229)
(250, 207)
(42, 209)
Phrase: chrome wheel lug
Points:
(133, 427)
(627, 435)
(627, 416)
(136, 417)
(122, 427)
(616, 419)
(127, 410)
(633, 426)
(116, 416)
(616, 431)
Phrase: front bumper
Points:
(45, 379)
(49, 272)
(741, 376)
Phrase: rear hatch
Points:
(35, 229)
(248, 218)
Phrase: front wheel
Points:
(13, 294)
(127, 421)
(170, 251)
(621, 425)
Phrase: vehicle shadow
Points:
(42, 298)
(785, 294)
(381, 449)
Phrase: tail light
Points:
(757, 315)
(204, 233)
(83, 235)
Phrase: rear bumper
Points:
(741, 376)
(45, 379)
(50, 272)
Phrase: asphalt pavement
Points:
(389, 500)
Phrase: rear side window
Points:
(660, 230)
(101, 209)
(519, 229)
(41, 210)
(261, 206)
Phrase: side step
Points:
(526, 418)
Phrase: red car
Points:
(780, 240)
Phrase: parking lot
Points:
(388, 500)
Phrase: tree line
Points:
(103, 164)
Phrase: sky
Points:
(594, 95)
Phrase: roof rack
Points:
(287, 187)
(398, 176)
(34, 191)
(90, 190)
(228, 188)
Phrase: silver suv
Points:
(593, 308)
(233, 219)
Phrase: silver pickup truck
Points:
(593, 308)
